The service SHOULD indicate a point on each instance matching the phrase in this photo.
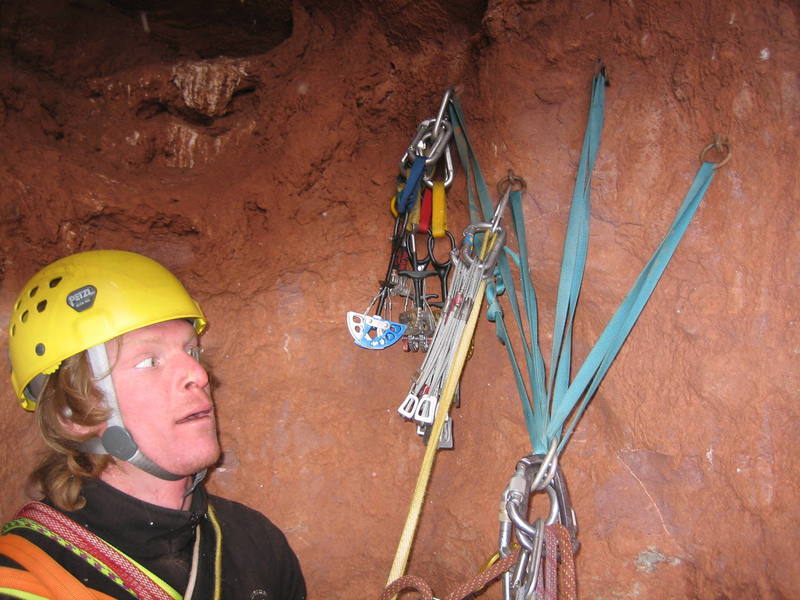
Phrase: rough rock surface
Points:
(254, 154)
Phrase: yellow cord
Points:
(407, 537)
(212, 515)
(460, 357)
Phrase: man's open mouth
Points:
(194, 416)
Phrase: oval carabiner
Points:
(467, 250)
(545, 473)
(440, 141)
(417, 144)
(449, 171)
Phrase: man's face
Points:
(164, 396)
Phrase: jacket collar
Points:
(138, 528)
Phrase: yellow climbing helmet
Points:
(86, 299)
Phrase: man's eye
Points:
(195, 352)
(147, 363)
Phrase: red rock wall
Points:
(262, 179)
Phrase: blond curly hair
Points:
(70, 395)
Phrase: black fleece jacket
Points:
(257, 562)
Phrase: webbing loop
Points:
(480, 203)
(553, 407)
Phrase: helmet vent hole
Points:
(24, 317)
(16, 306)
(40, 349)
(33, 291)
(55, 282)
(41, 306)
(13, 329)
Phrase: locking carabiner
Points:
(533, 473)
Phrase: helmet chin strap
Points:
(116, 439)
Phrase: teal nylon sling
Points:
(553, 408)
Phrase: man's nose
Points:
(194, 374)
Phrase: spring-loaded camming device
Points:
(406, 271)
(375, 332)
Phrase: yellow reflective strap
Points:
(439, 215)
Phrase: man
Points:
(104, 347)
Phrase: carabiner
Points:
(542, 472)
(467, 251)
(449, 171)
(442, 269)
(448, 93)
(533, 473)
(427, 144)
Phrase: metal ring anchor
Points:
(511, 181)
(719, 145)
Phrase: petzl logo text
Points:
(82, 298)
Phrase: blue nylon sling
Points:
(553, 408)
(409, 194)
